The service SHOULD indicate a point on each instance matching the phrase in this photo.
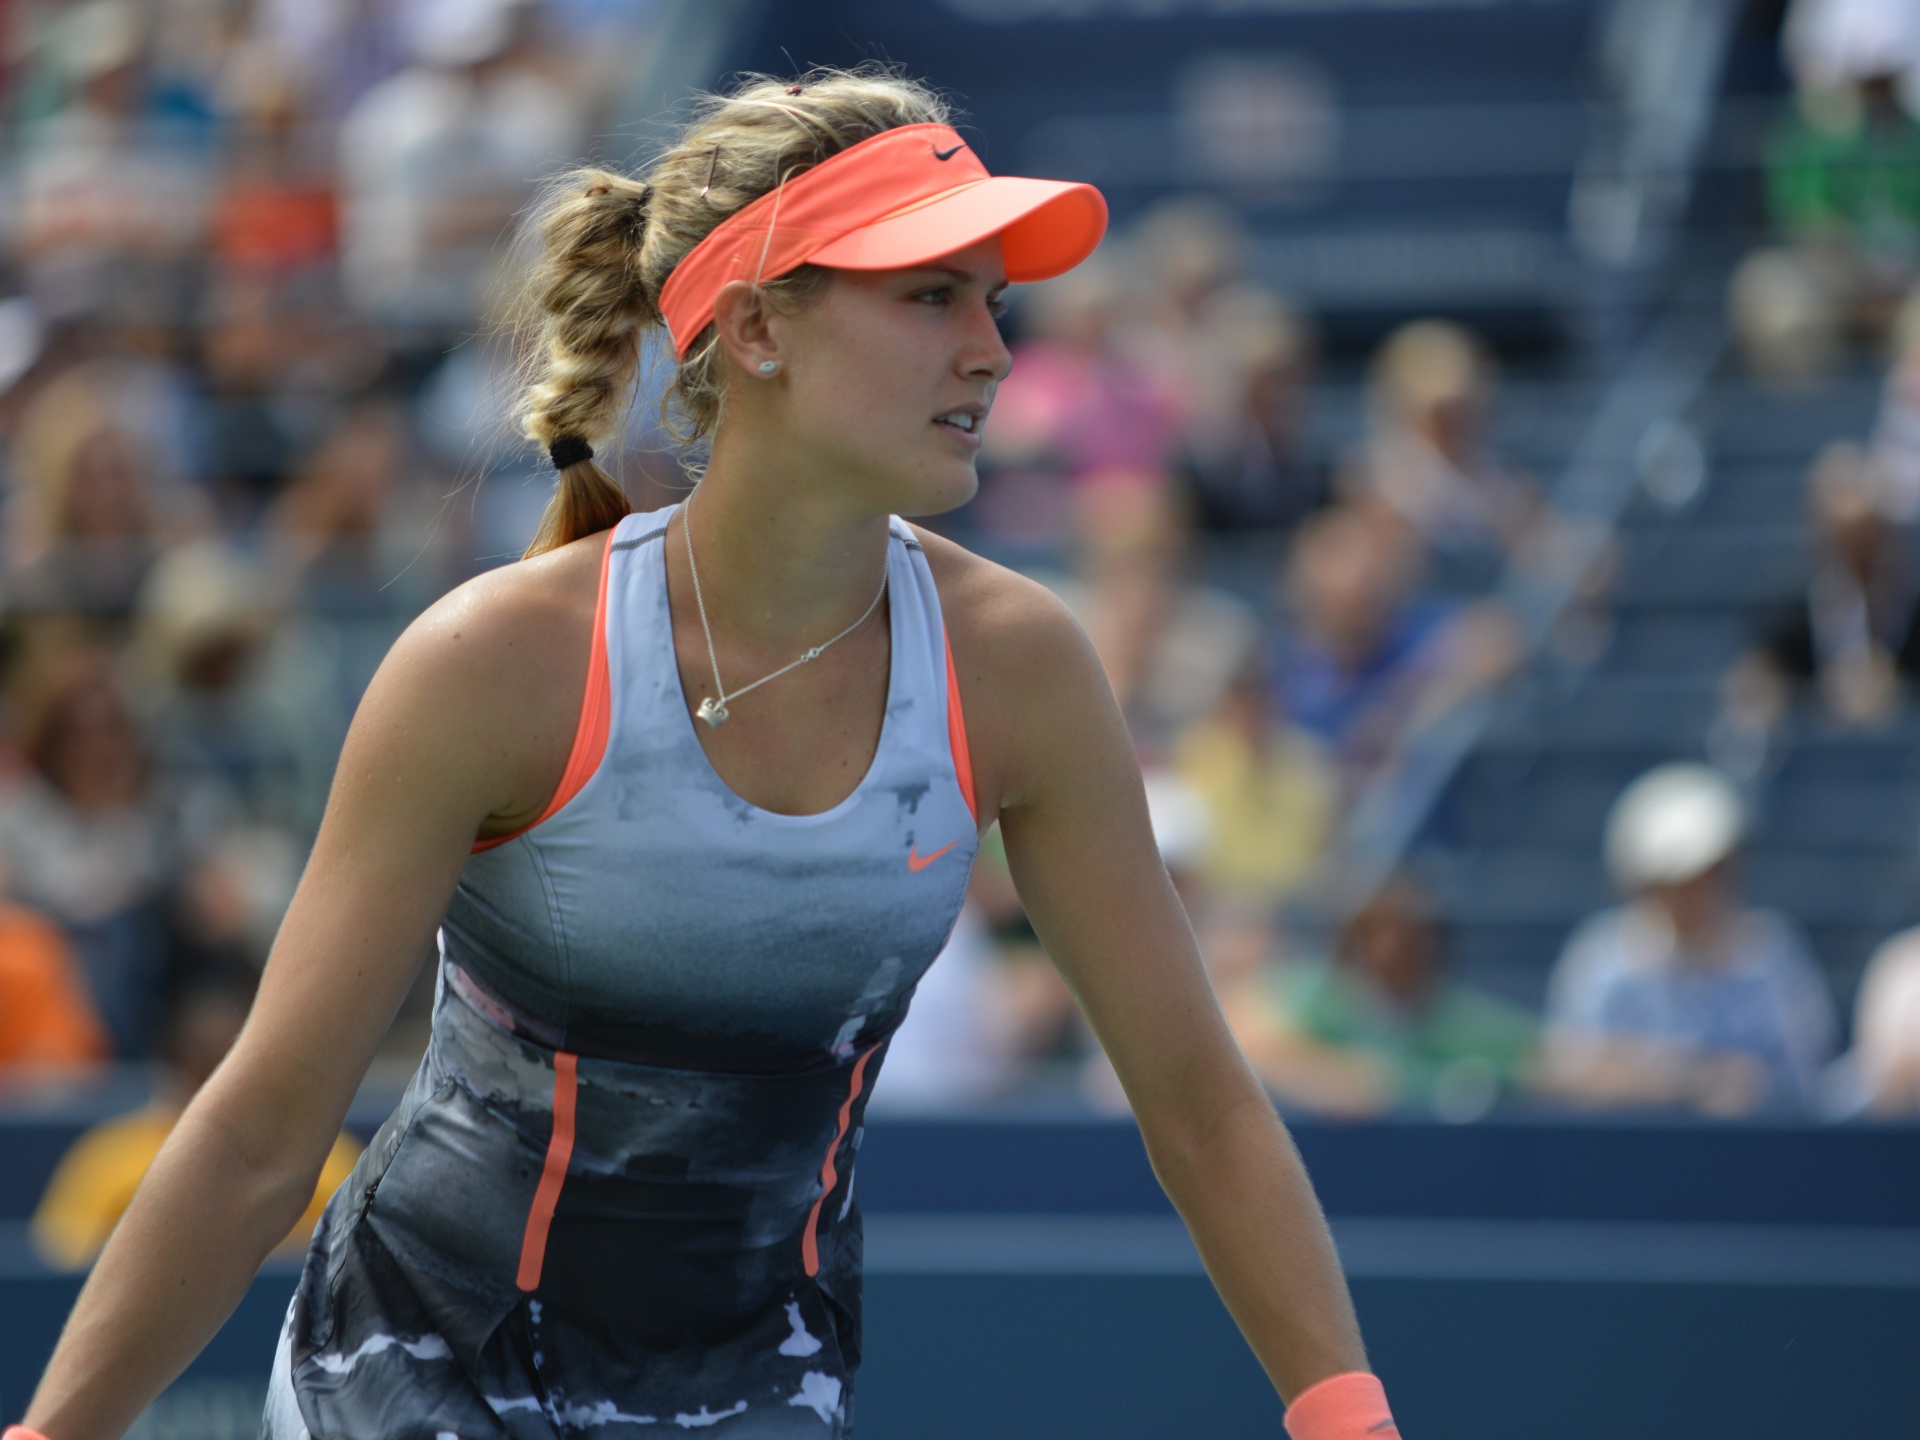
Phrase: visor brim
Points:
(1046, 227)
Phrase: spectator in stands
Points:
(1233, 362)
(246, 346)
(215, 719)
(1377, 1028)
(275, 211)
(1170, 644)
(1187, 256)
(111, 178)
(333, 51)
(81, 530)
(336, 526)
(1075, 411)
(47, 1020)
(1843, 190)
(1364, 660)
(436, 161)
(1245, 953)
(86, 839)
(1853, 633)
(1684, 996)
(1384, 1021)
(358, 557)
(1271, 791)
(1883, 1073)
(95, 1180)
(1428, 457)
(1248, 458)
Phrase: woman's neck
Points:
(783, 559)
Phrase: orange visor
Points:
(903, 197)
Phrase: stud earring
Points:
(768, 367)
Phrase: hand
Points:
(1727, 1084)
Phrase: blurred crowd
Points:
(1283, 623)
(1284, 619)
(250, 426)
(248, 264)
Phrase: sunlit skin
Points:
(849, 417)
(790, 520)
(466, 729)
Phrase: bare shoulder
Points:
(513, 617)
(1027, 671)
(488, 680)
(998, 619)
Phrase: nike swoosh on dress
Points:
(917, 862)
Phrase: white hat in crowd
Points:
(1829, 42)
(1675, 822)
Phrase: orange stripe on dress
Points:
(533, 1244)
(957, 734)
(596, 717)
(829, 1177)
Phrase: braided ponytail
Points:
(592, 308)
(609, 243)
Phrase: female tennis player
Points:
(691, 798)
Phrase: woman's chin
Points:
(936, 495)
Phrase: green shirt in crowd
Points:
(1862, 181)
(1338, 1007)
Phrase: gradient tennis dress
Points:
(618, 1197)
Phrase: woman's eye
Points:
(943, 295)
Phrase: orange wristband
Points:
(1352, 1406)
(21, 1432)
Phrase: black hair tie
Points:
(566, 451)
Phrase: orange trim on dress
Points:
(829, 1177)
(533, 1244)
(596, 718)
(957, 733)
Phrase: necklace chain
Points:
(713, 709)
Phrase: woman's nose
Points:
(987, 355)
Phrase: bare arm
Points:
(445, 738)
(1082, 852)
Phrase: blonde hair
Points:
(70, 414)
(1428, 363)
(608, 243)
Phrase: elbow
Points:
(1184, 1134)
(273, 1162)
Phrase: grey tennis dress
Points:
(618, 1195)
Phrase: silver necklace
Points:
(713, 709)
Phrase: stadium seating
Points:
(1513, 845)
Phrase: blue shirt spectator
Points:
(1625, 975)
(1683, 995)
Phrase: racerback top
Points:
(651, 914)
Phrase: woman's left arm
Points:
(1083, 857)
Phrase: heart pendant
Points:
(711, 711)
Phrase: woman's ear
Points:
(744, 321)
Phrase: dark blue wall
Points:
(1769, 1339)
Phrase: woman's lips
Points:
(969, 438)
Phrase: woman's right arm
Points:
(469, 719)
